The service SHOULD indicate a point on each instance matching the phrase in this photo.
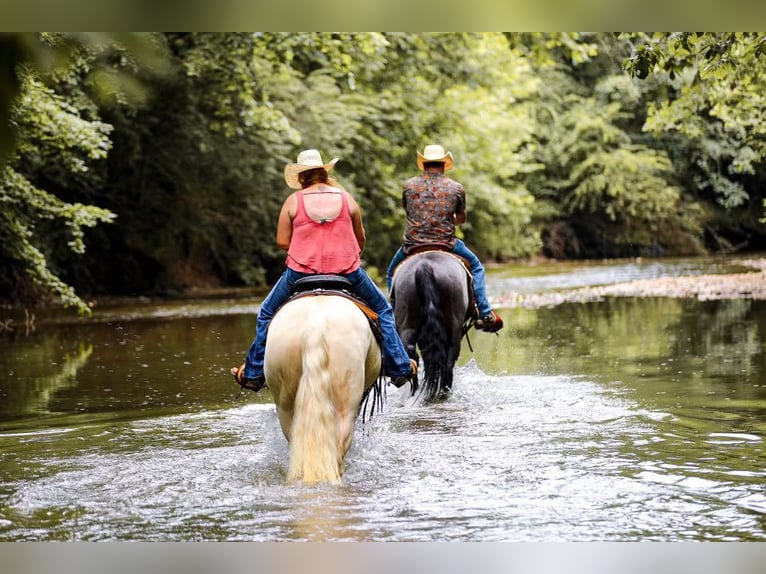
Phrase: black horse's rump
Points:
(431, 306)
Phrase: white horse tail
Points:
(314, 455)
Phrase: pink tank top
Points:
(323, 247)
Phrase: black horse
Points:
(433, 305)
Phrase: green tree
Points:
(198, 171)
(713, 119)
(50, 112)
(467, 92)
(55, 143)
(179, 141)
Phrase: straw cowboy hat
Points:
(436, 153)
(307, 159)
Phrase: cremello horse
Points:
(321, 362)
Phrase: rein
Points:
(467, 326)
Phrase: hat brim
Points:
(446, 159)
(293, 170)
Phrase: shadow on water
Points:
(627, 419)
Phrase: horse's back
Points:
(344, 329)
(449, 274)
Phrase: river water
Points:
(621, 420)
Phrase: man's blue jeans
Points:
(396, 362)
(477, 271)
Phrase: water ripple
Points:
(507, 458)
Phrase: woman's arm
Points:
(285, 223)
(356, 220)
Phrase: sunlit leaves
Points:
(60, 137)
(486, 121)
(24, 207)
(711, 53)
(624, 183)
(720, 108)
(53, 128)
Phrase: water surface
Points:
(621, 420)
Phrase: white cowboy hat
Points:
(307, 159)
(436, 153)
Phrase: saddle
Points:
(338, 285)
(416, 250)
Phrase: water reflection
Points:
(35, 398)
(113, 369)
(662, 345)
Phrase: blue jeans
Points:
(396, 362)
(477, 271)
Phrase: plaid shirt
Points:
(431, 201)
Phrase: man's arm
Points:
(459, 214)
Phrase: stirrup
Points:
(255, 384)
(402, 380)
(490, 323)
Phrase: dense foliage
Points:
(152, 163)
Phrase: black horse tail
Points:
(433, 336)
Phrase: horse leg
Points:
(345, 435)
(452, 355)
(408, 337)
(348, 386)
(283, 370)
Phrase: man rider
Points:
(435, 205)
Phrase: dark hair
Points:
(428, 164)
(312, 176)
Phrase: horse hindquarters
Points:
(320, 358)
(431, 302)
(314, 455)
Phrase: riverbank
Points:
(737, 278)
(747, 285)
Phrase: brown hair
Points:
(312, 176)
